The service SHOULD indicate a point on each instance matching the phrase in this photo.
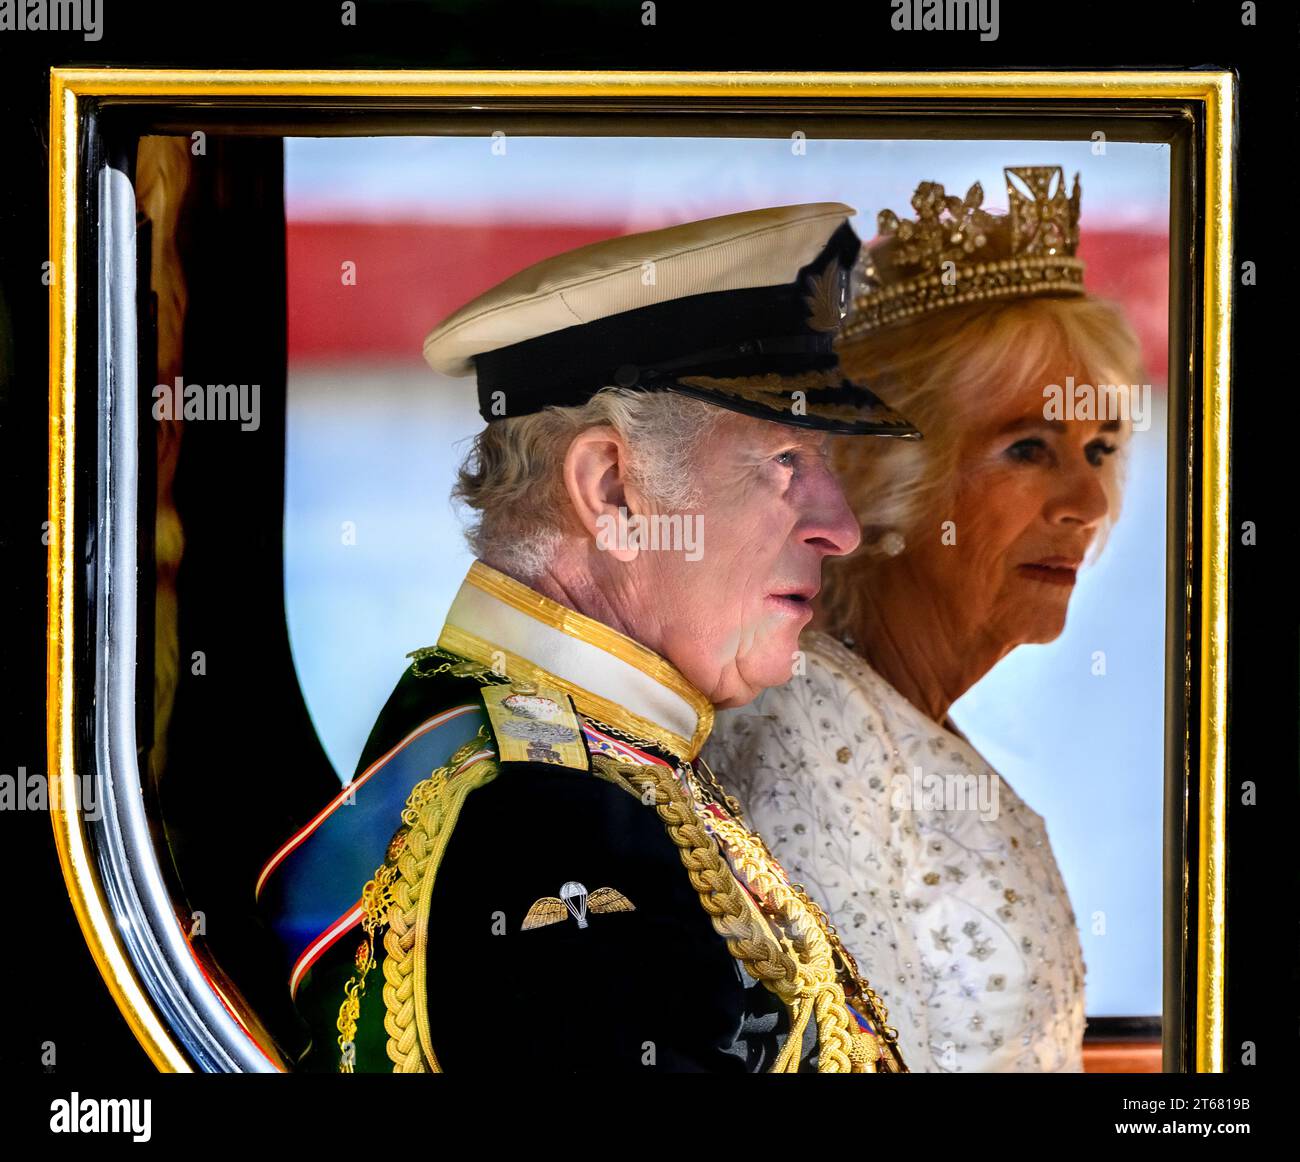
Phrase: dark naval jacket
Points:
(561, 931)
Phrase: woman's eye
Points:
(1029, 451)
(787, 459)
(1097, 452)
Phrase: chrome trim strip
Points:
(120, 837)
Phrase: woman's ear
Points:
(596, 480)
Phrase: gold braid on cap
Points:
(954, 252)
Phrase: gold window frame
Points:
(75, 91)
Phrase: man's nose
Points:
(829, 523)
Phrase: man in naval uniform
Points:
(531, 868)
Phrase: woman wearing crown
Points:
(940, 880)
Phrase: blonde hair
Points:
(945, 371)
(512, 475)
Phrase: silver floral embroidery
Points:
(814, 762)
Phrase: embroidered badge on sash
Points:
(574, 901)
(535, 723)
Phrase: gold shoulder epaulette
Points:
(535, 723)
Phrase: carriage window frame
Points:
(117, 887)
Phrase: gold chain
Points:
(856, 986)
(618, 732)
(719, 794)
(715, 792)
(454, 664)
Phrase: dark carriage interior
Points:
(226, 745)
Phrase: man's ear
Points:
(596, 479)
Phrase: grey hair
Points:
(511, 477)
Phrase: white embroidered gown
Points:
(954, 909)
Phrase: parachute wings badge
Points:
(575, 901)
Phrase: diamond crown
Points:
(956, 252)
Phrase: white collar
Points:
(610, 677)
